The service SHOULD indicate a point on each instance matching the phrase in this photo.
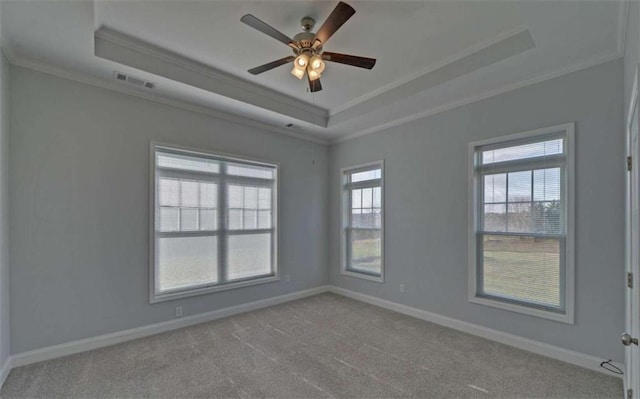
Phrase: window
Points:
(214, 223)
(522, 227)
(363, 221)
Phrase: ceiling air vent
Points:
(132, 80)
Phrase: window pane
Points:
(547, 217)
(188, 219)
(250, 198)
(377, 215)
(168, 192)
(366, 175)
(366, 251)
(249, 255)
(189, 202)
(185, 162)
(367, 198)
(235, 196)
(522, 268)
(546, 184)
(188, 193)
(519, 186)
(264, 219)
(208, 219)
(186, 261)
(495, 188)
(495, 217)
(364, 218)
(250, 219)
(169, 219)
(235, 219)
(250, 171)
(208, 195)
(519, 218)
(377, 197)
(264, 198)
(550, 147)
(356, 198)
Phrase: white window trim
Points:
(158, 297)
(345, 207)
(569, 288)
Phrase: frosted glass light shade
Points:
(302, 61)
(297, 72)
(313, 75)
(316, 63)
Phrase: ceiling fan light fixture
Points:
(313, 74)
(302, 61)
(297, 72)
(316, 63)
(308, 54)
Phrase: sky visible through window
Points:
(365, 221)
(521, 221)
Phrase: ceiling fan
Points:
(307, 46)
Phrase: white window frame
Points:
(155, 297)
(569, 183)
(344, 220)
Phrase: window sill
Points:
(563, 318)
(377, 279)
(156, 298)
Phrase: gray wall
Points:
(426, 188)
(5, 349)
(79, 172)
(80, 196)
(631, 50)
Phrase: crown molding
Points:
(123, 89)
(623, 24)
(114, 86)
(481, 56)
(482, 96)
(124, 49)
(19, 61)
(416, 75)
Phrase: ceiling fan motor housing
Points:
(306, 41)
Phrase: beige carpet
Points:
(319, 347)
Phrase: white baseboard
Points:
(83, 345)
(540, 348)
(4, 371)
(70, 348)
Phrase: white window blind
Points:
(214, 222)
(521, 227)
(363, 221)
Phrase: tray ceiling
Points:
(425, 52)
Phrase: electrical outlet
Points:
(287, 278)
(402, 288)
(178, 311)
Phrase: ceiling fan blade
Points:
(314, 85)
(266, 29)
(353, 60)
(336, 19)
(273, 64)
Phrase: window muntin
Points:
(214, 224)
(363, 221)
(521, 210)
(187, 205)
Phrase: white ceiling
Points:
(409, 39)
